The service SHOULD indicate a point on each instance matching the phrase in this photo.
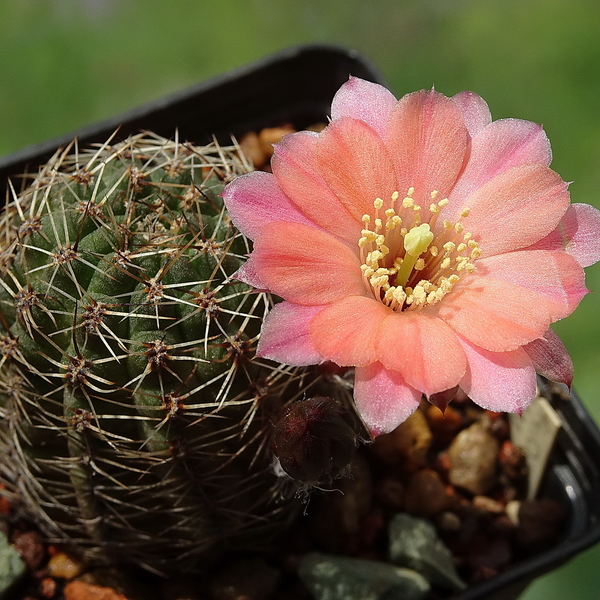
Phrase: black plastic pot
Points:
(296, 86)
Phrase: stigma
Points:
(405, 265)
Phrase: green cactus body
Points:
(135, 417)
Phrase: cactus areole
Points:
(135, 416)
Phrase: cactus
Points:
(135, 419)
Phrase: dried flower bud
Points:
(315, 439)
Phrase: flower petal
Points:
(578, 233)
(516, 208)
(361, 99)
(500, 146)
(423, 348)
(550, 358)
(355, 164)
(499, 381)
(248, 274)
(284, 335)
(556, 277)
(428, 139)
(474, 110)
(345, 332)
(383, 398)
(294, 164)
(255, 199)
(306, 265)
(493, 314)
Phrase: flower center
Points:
(404, 264)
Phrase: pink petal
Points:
(355, 164)
(493, 314)
(284, 336)
(516, 208)
(345, 332)
(306, 265)
(255, 199)
(500, 146)
(369, 102)
(556, 277)
(578, 233)
(550, 358)
(428, 139)
(248, 274)
(474, 110)
(383, 398)
(423, 348)
(294, 164)
(499, 381)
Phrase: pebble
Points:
(31, 548)
(80, 590)
(12, 566)
(488, 505)
(342, 578)
(540, 522)
(62, 566)
(474, 456)
(406, 446)
(414, 543)
(425, 494)
(245, 579)
(390, 493)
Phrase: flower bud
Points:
(315, 439)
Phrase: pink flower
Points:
(421, 243)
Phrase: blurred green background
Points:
(68, 63)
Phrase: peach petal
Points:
(474, 110)
(355, 164)
(285, 337)
(306, 265)
(550, 358)
(423, 348)
(499, 381)
(345, 332)
(578, 233)
(500, 146)
(556, 277)
(516, 208)
(383, 398)
(255, 199)
(493, 314)
(295, 167)
(428, 139)
(361, 99)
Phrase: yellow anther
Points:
(384, 249)
(395, 196)
(447, 224)
(434, 194)
(467, 235)
(419, 265)
(403, 231)
(408, 202)
(379, 224)
(362, 242)
(434, 251)
(366, 219)
(434, 209)
(390, 212)
(449, 246)
(432, 297)
(411, 191)
(445, 263)
(465, 212)
(378, 203)
(380, 239)
(443, 202)
(459, 227)
(470, 268)
(475, 253)
(461, 247)
(473, 244)
(453, 279)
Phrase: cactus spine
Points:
(135, 417)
